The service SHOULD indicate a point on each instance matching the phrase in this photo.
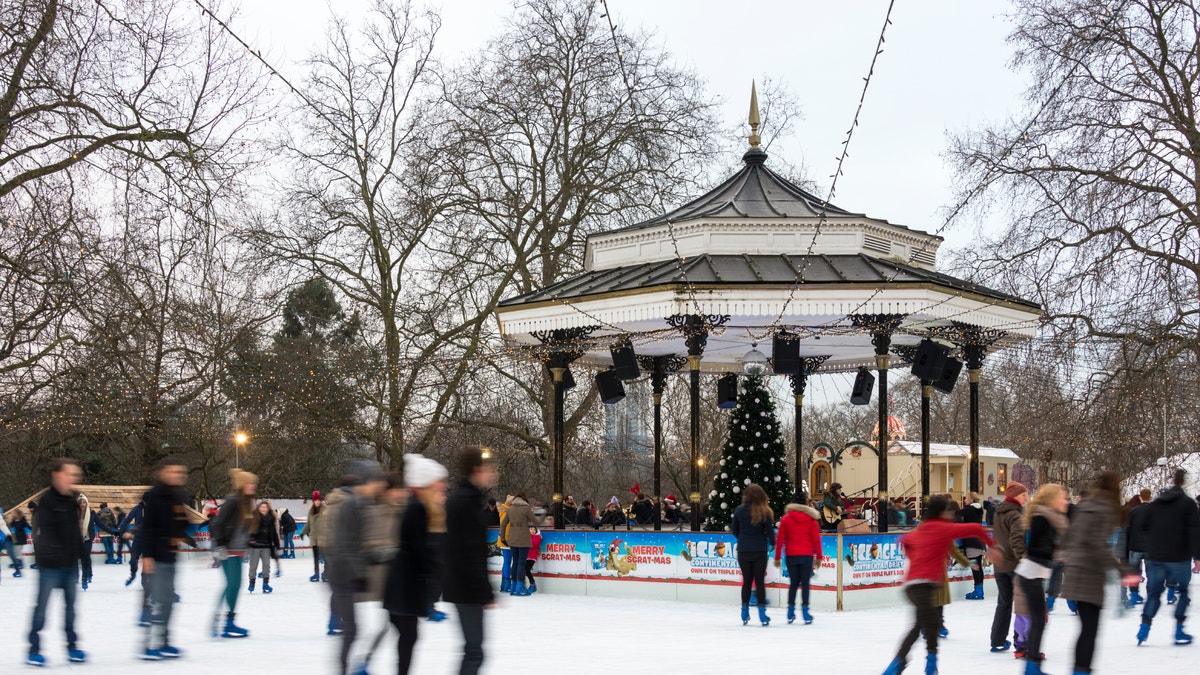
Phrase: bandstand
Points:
(758, 267)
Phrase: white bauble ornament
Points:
(740, 462)
(736, 489)
(724, 475)
(723, 459)
(758, 434)
(724, 505)
(747, 482)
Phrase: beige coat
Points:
(381, 538)
(516, 522)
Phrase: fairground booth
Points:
(756, 272)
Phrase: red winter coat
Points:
(535, 546)
(799, 532)
(926, 547)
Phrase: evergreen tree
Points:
(755, 453)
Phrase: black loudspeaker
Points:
(727, 391)
(568, 379)
(611, 389)
(863, 384)
(785, 356)
(929, 361)
(945, 383)
(625, 362)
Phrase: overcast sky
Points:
(944, 68)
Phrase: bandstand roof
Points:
(765, 256)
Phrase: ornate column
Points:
(908, 353)
(659, 367)
(974, 342)
(881, 326)
(561, 347)
(808, 365)
(695, 330)
(973, 354)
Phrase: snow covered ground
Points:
(568, 634)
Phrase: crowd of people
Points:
(406, 541)
(409, 540)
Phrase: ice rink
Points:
(568, 634)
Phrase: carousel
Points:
(760, 273)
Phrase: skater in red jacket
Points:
(799, 541)
(926, 549)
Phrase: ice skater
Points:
(799, 543)
(165, 528)
(415, 564)
(347, 559)
(1046, 524)
(311, 531)
(753, 525)
(263, 546)
(1172, 554)
(466, 575)
(926, 548)
(231, 534)
(57, 532)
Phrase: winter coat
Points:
(584, 517)
(973, 514)
(345, 558)
(501, 539)
(327, 530)
(132, 523)
(1010, 535)
(228, 529)
(643, 512)
(1088, 554)
(1137, 537)
(267, 535)
(799, 533)
(1173, 528)
(409, 572)
(465, 578)
(518, 518)
(312, 525)
(927, 547)
(613, 517)
(108, 521)
(56, 530)
(20, 531)
(535, 547)
(751, 537)
(1046, 530)
(381, 541)
(568, 514)
(165, 523)
(491, 517)
(287, 524)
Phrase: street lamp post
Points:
(239, 439)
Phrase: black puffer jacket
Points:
(1173, 528)
(56, 533)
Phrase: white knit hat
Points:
(420, 471)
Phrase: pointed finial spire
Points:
(754, 119)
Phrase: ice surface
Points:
(545, 633)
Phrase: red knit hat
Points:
(316, 495)
(1013, 489)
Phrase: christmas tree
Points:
(754, 454)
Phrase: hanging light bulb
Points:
(754, 361)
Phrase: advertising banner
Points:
(878, 560)
(662, 556)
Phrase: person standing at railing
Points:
(973, 548)
(1010, 541)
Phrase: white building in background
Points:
(1158, 477)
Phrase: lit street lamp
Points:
(239, 440)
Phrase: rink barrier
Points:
(857, 570)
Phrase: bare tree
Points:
(1101, 186)
(540, 146)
